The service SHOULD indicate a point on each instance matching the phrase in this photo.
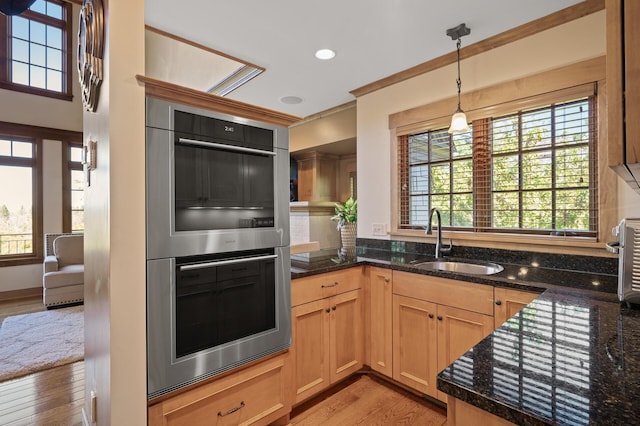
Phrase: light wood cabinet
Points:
(327, 330)
(459, 413)
(435, 320)
(623, 89)
(380, 320)
(509, 302)
(256, 395)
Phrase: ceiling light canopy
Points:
(325, 54)
(459, 122)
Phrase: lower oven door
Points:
(205, 316)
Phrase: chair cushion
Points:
(65, 276)
(69, 249)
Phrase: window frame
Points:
(502, 98)
(40, 136)
(67, 167)
(67, 61)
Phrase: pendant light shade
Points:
(15, 7)
(459, 122)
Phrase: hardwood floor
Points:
(56, 396)
(48, 397)
(369, 401)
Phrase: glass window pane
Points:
(38, 31)
(54, 10)
(506, 209)
(440, 145)
(536, 210)
(16, 221)
(77, 180)
(463, 210)
(38, 78)
(54, 37)
(54, 59)
(443, 204)
(505, 134)
(462, 144)
(39, 6)
(419, 210)
(19, 72)
(19, 27)
(419, 180)
(419, 148)
(19, 50)
(572, 210)
(506, 173)
(75, 154)
(462, 176)
(5, 147)
(77, 221)
(77, 200)
(536, 170)
(572, 167)
(572, 123)
(54, 80)
(536, 129)
(440, 178)
(37, 54)
(22, 149)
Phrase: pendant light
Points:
(459, 122)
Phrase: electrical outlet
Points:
(379, 229)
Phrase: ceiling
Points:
(372, 39)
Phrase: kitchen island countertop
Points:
(570, 357)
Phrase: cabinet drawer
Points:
(255, 395)
(308, 289)
(461, 294)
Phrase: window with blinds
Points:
(530, 171)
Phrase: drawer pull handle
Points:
(329, 285)
(233, 410)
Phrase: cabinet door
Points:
(459, 331)
(346, 334)
(310, 348)
(415, 353)
(381, 313)
(509, 302)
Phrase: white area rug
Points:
(33, 342)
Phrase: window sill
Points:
(589, 246)
(19, 261)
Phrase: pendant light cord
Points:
(458, 81)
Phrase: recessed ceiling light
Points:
(325, 54)
(290, 100)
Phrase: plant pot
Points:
(348, 235)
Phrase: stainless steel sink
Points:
(462, 267)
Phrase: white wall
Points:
(570, 43)
(22, 108)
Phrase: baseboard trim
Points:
(20, 294)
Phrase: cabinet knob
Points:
(386, 279)
(430, 315)
(498, 302)
(439, 317)
(333, 308)
(327, 310)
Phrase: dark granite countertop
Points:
(568, 358)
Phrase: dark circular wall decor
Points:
(15, 7)
(91, 52)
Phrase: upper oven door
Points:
(205, 196)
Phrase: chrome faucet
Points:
(440, 250)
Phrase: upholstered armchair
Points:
(63, 269)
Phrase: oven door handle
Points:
(226, 262)
(226, 147)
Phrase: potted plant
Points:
(346, 216)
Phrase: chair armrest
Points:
(50, 264)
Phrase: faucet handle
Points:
(446, 249)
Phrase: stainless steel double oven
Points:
(218, 260)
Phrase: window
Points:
(72, 188)
(37, 48)
(20, 207)
(529, 171)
